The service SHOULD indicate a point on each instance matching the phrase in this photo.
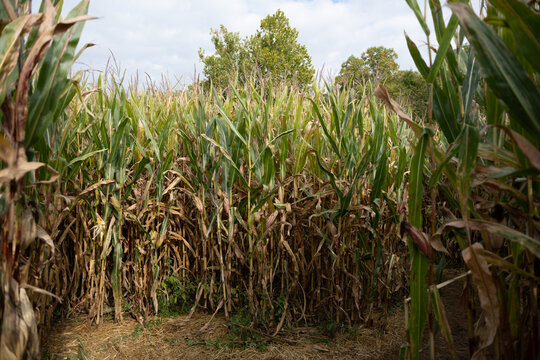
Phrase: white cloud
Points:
(163, 36)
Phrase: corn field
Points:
(299, 206)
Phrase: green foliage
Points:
(379, 63)
(495, 241)
(376, 65)
(278, 54)
(272, 53)
(176, 296)
(410, 89)
(230, 61)
(352, 74)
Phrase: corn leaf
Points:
(502, 71)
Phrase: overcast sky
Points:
(163, 36)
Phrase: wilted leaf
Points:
(440, 315)
(418, 238)
(10, 40)
(43, 235)
(29, 321)
(496, 229)
(17, 171)
(529, 150)
(95, 186)
(382, 94)
(487, 293)
(422, 240)
(271, 219)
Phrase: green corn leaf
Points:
(323, 125)
(84, 157)
(231, 126)
(268, 166)
(469, 87)
(413, 4)
(440, 315)
(44, 105)
(149, 135)
(502, 71)
(444, 114)
(525, 26)
(416, 178)
(420, 263)
(266, 146)
(344, 203)
(329, 173)
(438, 19)
(443, 48)
(468, 150)
(226, 155)
(417, 58)
(381, 172)
(436, 175)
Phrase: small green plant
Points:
(177, 296)
(82, 353)
(138, 331)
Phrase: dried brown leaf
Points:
(487, 293)
(65, 25)
(54, 176)
(495, 229)
(421, 240)
(198, 203)
(40, 291)
(382, 94)
(95, 186)
(28, 320)
(43, 235)
(9, 9)
(17, 171)
(271, 219)
(11, 50)
(528, 149)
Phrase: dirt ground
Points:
(203, 338)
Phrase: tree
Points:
(278, 54)
(229, 59)
(273, 51)
(377, 64)
(380, 63)
(410, 90)
(352, 73)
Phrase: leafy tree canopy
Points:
(273, 51)
(376, 64)
(410, 89)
